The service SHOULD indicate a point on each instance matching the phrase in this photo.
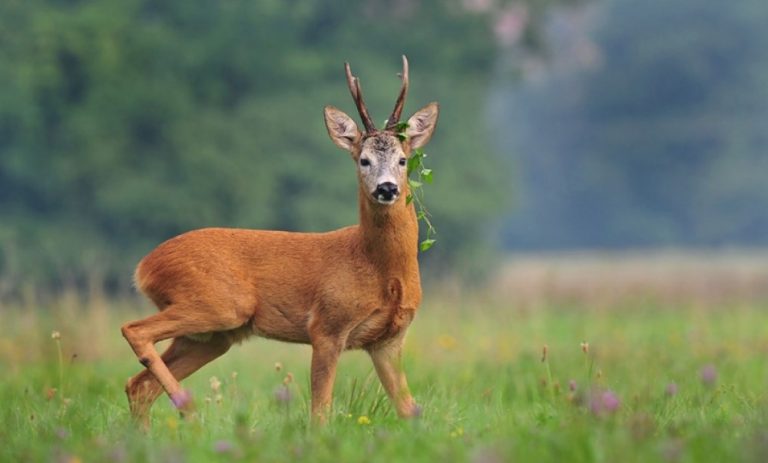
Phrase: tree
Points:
(123, 123)
(661, 143)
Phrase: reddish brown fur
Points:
(356, 287)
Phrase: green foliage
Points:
(125, 122)
(662, 142)
(416, 195)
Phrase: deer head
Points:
(381, 155)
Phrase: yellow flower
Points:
(172, 423)
(446, 341)
(363, 420)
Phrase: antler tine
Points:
(357, 94)
(395, 117)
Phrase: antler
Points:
(395, 117)
(354, 88)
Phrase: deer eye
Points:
(402, 161)
(364, 162)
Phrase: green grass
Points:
(474, 365)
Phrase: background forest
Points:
(564, 124)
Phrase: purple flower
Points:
(223, 446)
(181, 399)
(572, 386)
(604, 402)
(610, 401)
(283, 395)
(708, 375)
(671, 389)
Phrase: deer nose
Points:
(386, 191)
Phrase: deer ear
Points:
(341, 128)
(422, 124)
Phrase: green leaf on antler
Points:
(423, 175)
(426, 244)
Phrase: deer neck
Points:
(390, 236)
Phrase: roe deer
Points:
(356, 287)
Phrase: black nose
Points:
(386, 191)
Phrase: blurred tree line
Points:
(125, 122)
(661, 140)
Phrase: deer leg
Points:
(183, 357)
(325, 357)
(387, 361)
(173, 322)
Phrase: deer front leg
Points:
(325, 357)
(387, 361)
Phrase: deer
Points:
(357, 287)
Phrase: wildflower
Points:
(288, 379)
(585, 347)
(610, 401)
(446, 341)
(363, 420)
(234, 375)
(572, 386)
(417, 411)
(604, 402)
(708, 375)
(283, 395)
(172, 423)
(55, 335)
(458, 432)
(278, 366)
(223, 446)
(671, 389)
(50, 393)
(181, 399)
(215, 384)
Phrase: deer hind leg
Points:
(174, 322)
(387, 362)
(183, 357)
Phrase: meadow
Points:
(635, 377)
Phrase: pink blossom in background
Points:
(511, 24)
(572, 385)
(223, 446)
(181, 399)
(671, 389)
(604, 403)
(477, 6)
(708, 375)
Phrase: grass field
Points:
(659, 381)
